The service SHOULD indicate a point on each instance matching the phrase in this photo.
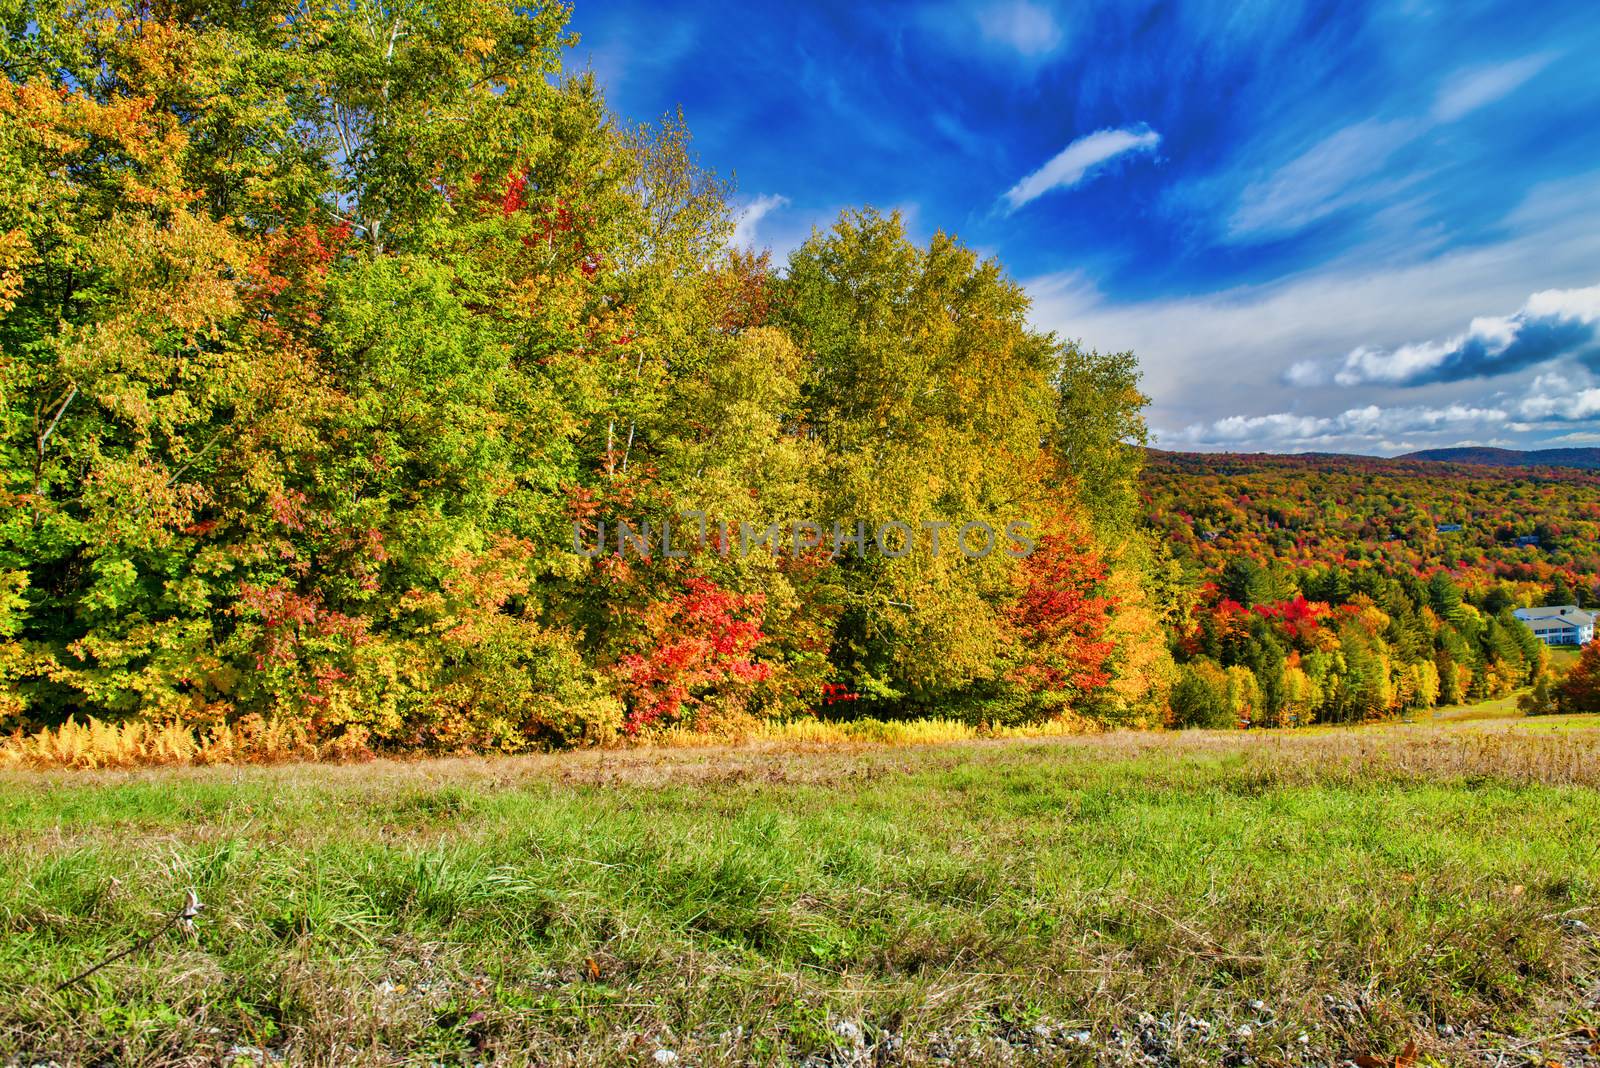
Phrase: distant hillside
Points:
(1588, 459)
(1484, 522)
(1330, 588)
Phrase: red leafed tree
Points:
(740, 291)
(288, 278)
(697, 654)
(1299, 618)
(1060, 617)
(1580, 690)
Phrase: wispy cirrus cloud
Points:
(1472, 89)
(1079, 160)
(1356, 164)
(1326, 178)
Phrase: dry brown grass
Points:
(96, 744)
(1499, 750)
(93, 743)
(1561, 750)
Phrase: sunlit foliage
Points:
(1355, 589)
(323, 325)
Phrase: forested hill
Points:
(1335, 587)
(1589, 459)
(1535, 528)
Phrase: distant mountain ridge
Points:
(1587, 459)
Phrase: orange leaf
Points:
(1406, 1059)
(593, 969)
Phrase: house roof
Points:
(1561, 614)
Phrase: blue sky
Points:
(1364, 227)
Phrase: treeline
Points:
(1279, 648)
(329, 333)
(1336, 589)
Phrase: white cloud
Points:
(1570, 303)
(1470, 90)
(1367, 364)
(1349, 167)
(1325, 178)
(1306, 373)
(1027, 28)
(1074, 163)
(1554, 398)
(1551, 324)
(1550, 403)
(750, 216)
(1280, 426)
(1289, 429)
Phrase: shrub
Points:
(1540, 701)
(696, 657)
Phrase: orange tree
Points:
(1580, 690)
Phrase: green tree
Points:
(930, 395)
(1100, 431)
(1444, 596)
(1201, 697)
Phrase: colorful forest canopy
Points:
(321, 327)
(1340, 588)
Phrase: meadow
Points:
(1400, 894)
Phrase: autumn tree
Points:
(321, 328)
(1580, 690)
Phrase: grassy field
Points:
(1563, 657)
(1498, 708)
(1126, 899)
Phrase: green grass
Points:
(738, 906)
(1498, 708)
(1563, 657)
(1578, 721)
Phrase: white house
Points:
(1562, 624)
